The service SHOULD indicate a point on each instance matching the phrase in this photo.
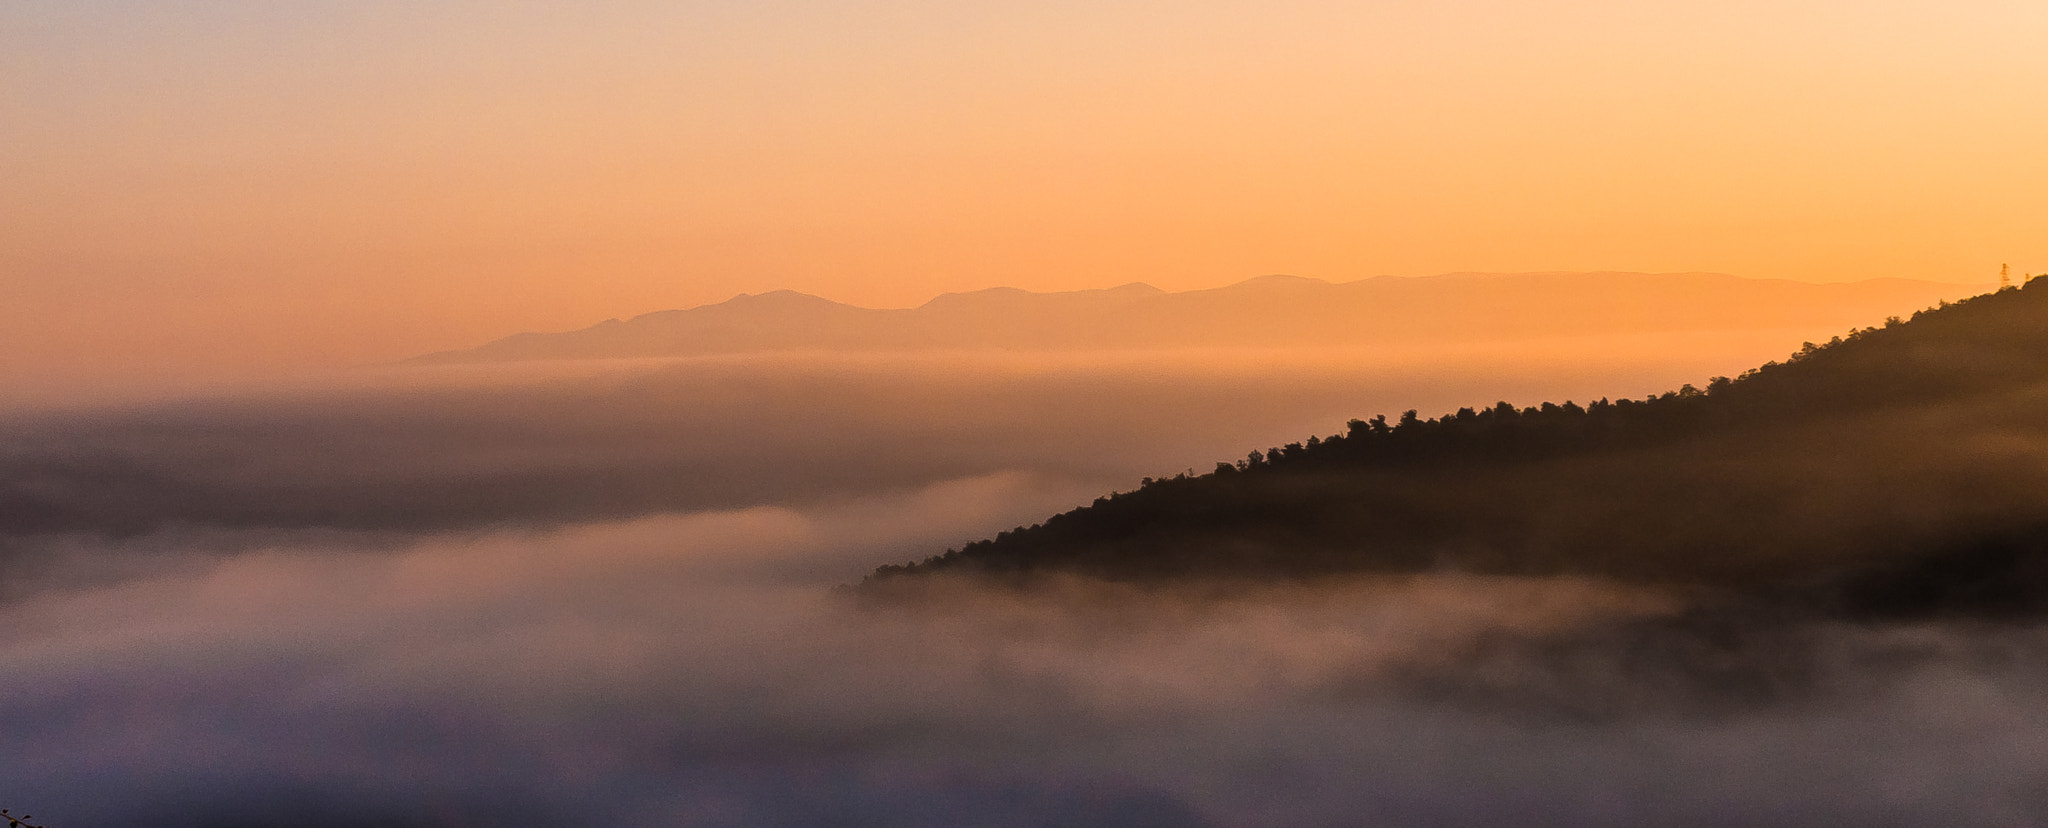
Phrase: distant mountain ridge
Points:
(1269, 311)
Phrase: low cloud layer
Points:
(693, 669)
(608, 601)
(460, 449)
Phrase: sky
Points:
(224, 187)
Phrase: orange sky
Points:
(224, 186)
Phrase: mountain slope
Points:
(1267, 312)
(1875, 453)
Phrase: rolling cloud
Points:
(320, 613)
(634, 673)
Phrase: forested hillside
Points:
(1889, 450)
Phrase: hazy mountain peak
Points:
(994, 294)
(997, 296)
(1277, 280)
(781, 298)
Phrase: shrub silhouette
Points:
(17, 821)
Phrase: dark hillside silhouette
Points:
(1874, 457)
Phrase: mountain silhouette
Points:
(1270, 312)
(1901, 468)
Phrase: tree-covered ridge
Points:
(1877, 445)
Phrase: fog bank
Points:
(430, 450)
(607, 598)
(696, 670)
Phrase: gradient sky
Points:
(214, 187)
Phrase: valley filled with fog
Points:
(960, 415)
(604, 593)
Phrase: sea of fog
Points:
(604, 596)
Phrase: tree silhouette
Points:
(17, 821)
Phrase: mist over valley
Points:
(619, 591)
(1100, 415)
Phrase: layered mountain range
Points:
(1267, 312)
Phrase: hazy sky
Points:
(253, 185)
(600, 597)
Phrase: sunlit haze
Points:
(1005, 415)
(231, 188)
